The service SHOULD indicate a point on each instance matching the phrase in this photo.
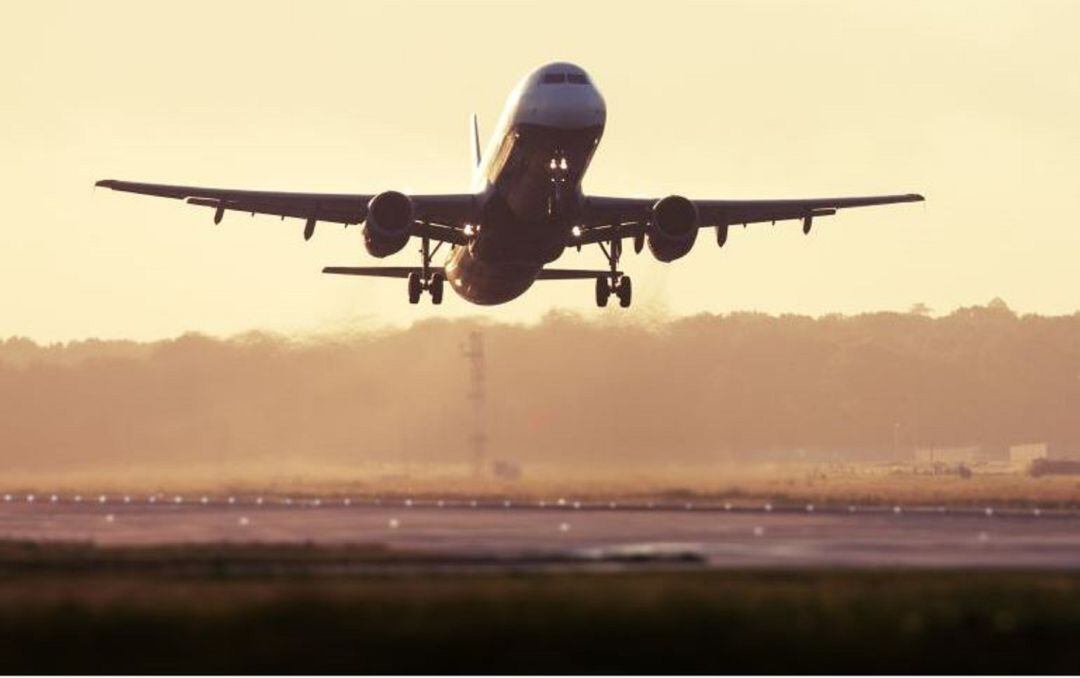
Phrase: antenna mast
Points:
(477, 394)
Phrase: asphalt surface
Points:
(720, 535)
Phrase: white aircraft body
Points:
(525, 209)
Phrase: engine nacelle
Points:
(389, 223)
(673, 228)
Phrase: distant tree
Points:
(920, 309)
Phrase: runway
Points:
(718, 535)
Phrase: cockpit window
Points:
(578, 78)
(553, 78)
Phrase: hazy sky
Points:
(974, 104)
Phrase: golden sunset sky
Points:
(974, 104)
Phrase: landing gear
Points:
(603, 291)
(416, 287)
(426, 279)
(624, 290)
(435, 286)
(559, 172)
(615, 283)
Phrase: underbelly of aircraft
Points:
(486, 281)
(533, 200)
(539, 172)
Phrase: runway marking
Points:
(759, 531)
(243, 521)
(564, 527)
(31, 500)
(110, 518)
(393, 523)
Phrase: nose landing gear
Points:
(616, 283)
(559, 171)
(426, 279)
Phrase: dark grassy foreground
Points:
(115, 619)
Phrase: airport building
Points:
(962, 454)
(1023, 455)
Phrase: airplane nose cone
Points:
(583, 112)
(567, 107)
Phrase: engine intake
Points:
(388, 224)
(673, 228)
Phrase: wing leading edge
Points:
(607, 218)
(439, 217)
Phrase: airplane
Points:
(525, 209)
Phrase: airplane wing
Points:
(440, 217)
(606, 218)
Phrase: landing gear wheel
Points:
(603, 291)
(436, 288)
(415, 288)
(624, 289)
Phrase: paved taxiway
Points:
(722, 535)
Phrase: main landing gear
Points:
(426, 279)
(615, 283)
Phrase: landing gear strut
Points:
(615, 283)
(426, 279)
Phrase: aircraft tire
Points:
(415, 288)
(625, 290)
(603, 291)
(436, 288)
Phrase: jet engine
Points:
(389, 223)
(673, 228)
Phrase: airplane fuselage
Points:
(529, 184)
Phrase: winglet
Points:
(475, 140)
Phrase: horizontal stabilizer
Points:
(573, 274)
(381, 271)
